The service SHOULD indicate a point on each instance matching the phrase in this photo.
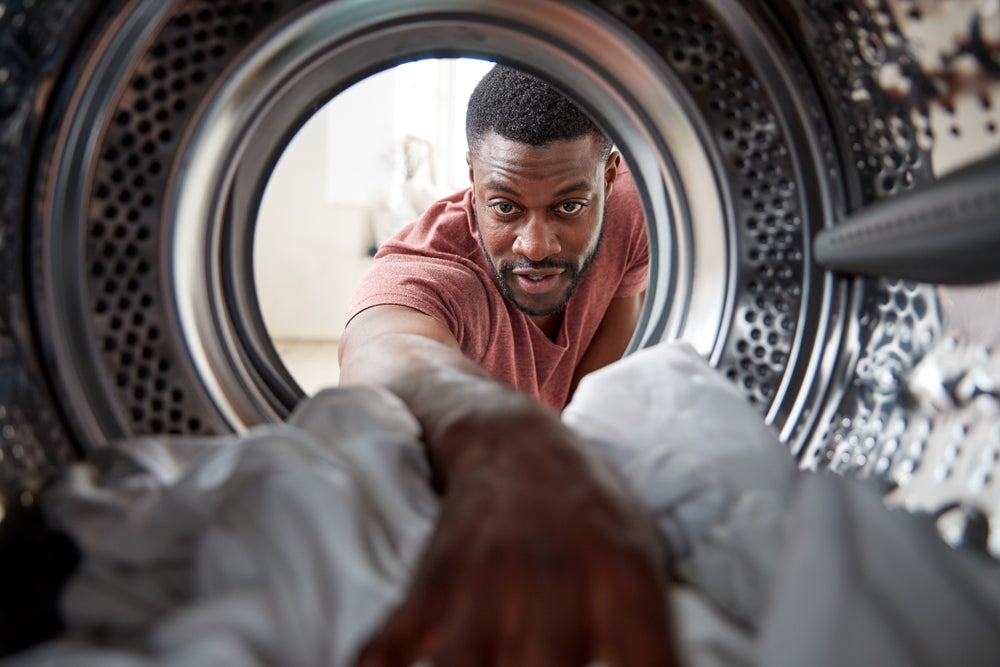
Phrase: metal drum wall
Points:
(916, 96)
(138, 135)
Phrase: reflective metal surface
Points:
(33, 442)
(718, 131)
(323, 51)
(919, 96)
(751, 128)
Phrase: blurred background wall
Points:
(367, 163)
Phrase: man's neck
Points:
(549, 324)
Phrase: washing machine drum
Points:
(820, 180)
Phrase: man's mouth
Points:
(537, 281)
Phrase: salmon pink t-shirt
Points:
(436, 265)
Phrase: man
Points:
(537, 271)
(482, 316)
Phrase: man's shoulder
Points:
(444, 229)
(625, 199)
(437, 256)
(625, 217)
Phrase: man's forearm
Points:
(470, 420)
(540, 549)
(465, 414)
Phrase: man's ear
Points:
(611, 171)
(468, 161)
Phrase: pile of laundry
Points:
(288, 545)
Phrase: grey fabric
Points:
(813, 569)
(706, 637)
(861, 584)
(287, 545)
(700, 458)
(284, 546)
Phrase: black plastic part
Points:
(947, 232)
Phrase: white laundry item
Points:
(861, 584)
(286, 546)
(819, 569)
(289, 545)
(700, 458)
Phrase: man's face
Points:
(540, 212)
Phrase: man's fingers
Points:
(642, 642)
(407, 637)
(632, 624)
(636, 643)
(555, 630)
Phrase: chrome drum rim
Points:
(745, 145)
(724, 192)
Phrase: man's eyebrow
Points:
(569, 189)
(502, 187)
(575, 187)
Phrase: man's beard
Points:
(506, 271)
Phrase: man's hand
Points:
(540, 555)
(539, 558)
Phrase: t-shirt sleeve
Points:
(447, 291)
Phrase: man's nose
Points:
(536, 240)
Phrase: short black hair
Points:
(523, 108)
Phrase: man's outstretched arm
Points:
(540, 555)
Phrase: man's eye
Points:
(571, 207)
(503, 208)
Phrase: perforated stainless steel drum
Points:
(138, 134)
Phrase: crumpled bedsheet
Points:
(289, 544)
(283, 546)
(814, 567)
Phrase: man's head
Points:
(541, 172)
(527, 110)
